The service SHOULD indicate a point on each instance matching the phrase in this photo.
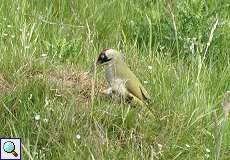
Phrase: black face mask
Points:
(103, 58)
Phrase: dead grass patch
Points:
(73, 81)
(66, 80)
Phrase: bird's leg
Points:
(107, 91)
(135, 100)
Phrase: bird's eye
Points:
(103, 56)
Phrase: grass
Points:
(48, 46)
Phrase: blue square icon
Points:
(10, 149)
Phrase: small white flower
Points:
(160, 146)
(18, 8)
(207, 155)
(37, 117)
(43, 55)
(78, 136)
(45, 120)
(188, 146)
(5, 34)
(207, 150)
(12, 36)
(150, 67)
(9, 26)
(146, 82)
(27, 47)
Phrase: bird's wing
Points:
(144, 92)
(135, 88)
(132, 83)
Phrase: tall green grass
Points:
(190, 60)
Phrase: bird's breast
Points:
(117, 84)
(109, 74)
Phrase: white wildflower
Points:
(150, 67)
(160, 146)
(207, 150)
(78, 136)
(45, 120)
(37, 117)
(188, 146)
(43, 55)
(146, 82)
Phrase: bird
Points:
(121, 79)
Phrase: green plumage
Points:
(132, 84)
(121, 79)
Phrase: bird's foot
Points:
(107, 91)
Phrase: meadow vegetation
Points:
(180, 51)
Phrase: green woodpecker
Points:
(121, 79)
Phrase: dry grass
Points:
(74, 81)
(66, 80)
(4, 85)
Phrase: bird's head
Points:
(108, 56)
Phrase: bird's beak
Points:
(98, 62)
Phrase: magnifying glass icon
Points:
(9, 147)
